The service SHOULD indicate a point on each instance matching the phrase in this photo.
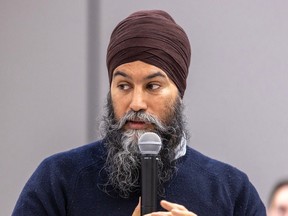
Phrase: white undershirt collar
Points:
(181, 149)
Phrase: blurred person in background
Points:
(278, 201)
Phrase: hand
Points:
(137, 210)
(173, 209)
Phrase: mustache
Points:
(139, 116)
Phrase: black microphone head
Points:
(149, 143)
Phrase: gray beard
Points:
(123, 161)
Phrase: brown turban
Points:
(152, 37)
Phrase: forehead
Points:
(281, 195)
(138, 69)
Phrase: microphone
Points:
(149, 144)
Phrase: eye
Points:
(153, 86)
(124, 86)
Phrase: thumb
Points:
(137, 210)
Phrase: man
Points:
(148, 59)
(278, 202)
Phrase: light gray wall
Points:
(53, 82)
(237, 95)
(43, 87)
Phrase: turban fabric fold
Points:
(151, 36)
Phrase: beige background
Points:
(53, 82)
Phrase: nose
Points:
(138, 101)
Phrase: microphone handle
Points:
(149, 177)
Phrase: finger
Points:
(169, 205)
(159, 214)
(177, 212)
(137, 210)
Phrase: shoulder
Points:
(50, 188)
(75, 159)
(81, 156)
(232, 182)
(213, 167)
(226, 175)
(64, 168)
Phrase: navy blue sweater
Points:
(68, 184)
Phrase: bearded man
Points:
(148, 59)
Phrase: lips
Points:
(137, 125)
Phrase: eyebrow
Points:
(151, 76)
(155, 75)
(120, 73)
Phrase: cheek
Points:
(164, 108)
(119, 107)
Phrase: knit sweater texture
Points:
(69, 183)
